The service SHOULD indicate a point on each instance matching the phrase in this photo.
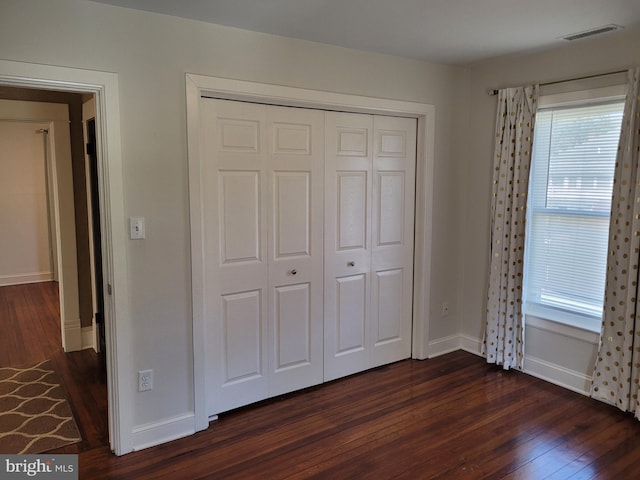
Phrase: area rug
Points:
(34, 413)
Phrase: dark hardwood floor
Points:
(30, 325)
(451, 417)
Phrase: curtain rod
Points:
(495, 91)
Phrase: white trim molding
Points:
(582, 333)
(442, 346)
(198, 86)
(88, 339)
(114, 239)
(72, 335)
(452, 343)
(536, 367)
(155, 433)
(22, 278)
(471, 344)
(557, 374)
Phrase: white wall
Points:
(32, 116)
(25, 249)
(151, 54)
(55, 118)
(562, 357)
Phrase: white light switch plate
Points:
(136, 227)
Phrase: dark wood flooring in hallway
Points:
(30, 325)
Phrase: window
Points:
(574, 152)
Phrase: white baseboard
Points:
(444, 345)
(155, 433)
(87, 338)
(558, 375)
(471, 345)
(72, 338)
(452, 343)
(22, 278)
(536, 367)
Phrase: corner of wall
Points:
(453, 343)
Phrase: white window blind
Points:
(570, 190)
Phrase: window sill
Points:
(568, 325)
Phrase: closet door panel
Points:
(351, 221)
(239, 216)
(388, 288)
(351, 314)
(296, 155)
(392, 233)
(292, 214)
(234, 187)
(292, 315)
(391, 194)
(348, 169)
(242, 339)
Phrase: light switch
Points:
(136, 226)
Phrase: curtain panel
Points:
(617, 369)
(503, 341)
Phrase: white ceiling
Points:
(441, 31)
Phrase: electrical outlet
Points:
(445, 309)
(145, 380)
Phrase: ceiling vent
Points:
(592, 32)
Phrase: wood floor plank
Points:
(575, 446)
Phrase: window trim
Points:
(582, 97)
(581, 326)
(556, 315)
(578, 332)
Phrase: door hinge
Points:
(109, 289)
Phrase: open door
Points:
(92, 156)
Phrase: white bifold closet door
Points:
(369, 222)
(262, 184)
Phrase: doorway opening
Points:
(49, 290)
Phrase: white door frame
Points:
(117, 324)
(199, 85)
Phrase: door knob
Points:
(351, 264)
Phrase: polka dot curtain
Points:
(617, 369)
(503, 342)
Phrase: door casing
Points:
(105, 87)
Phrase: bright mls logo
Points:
(52, 467)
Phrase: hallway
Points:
(30, 325)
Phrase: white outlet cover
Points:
(145, 380)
